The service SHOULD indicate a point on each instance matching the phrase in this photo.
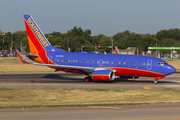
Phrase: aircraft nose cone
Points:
(172, 69)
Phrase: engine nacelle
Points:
(104, 74)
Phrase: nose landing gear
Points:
(156, 78)
(155, 82)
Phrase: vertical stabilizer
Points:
(117, 50)
(38, 43)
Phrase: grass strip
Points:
(13, 64)
(17, 98)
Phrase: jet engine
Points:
(103, 74)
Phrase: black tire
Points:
(87, 79)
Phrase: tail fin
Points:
(38, 43)
(117, 50)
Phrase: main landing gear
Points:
(87, 79)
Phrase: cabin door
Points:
(149, 64)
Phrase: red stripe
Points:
(100, 77)
(116, 50)
(37, 44)
(135, 72)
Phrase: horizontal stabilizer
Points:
(30, 55)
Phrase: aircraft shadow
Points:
(55, 78)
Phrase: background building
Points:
(2, 32)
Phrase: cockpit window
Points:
(162, 63)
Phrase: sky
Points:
(106, 17)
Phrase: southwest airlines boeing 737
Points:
(105, 67)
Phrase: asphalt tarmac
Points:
(120, 112)
(69, 80)
(63, 80)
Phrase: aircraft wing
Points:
(20, 56)
(57, 67)
(85, 69)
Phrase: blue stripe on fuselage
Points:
(113, 58)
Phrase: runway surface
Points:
(63, 80)
(69, 80)
(120, 112)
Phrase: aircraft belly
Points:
(135, 72)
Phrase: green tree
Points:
(146, 42)
(105, 41)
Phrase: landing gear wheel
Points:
(155, 81)
(87, 79)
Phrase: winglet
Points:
(117, 50)
(20, 56)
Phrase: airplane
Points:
(104, 67)
(116, 50)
